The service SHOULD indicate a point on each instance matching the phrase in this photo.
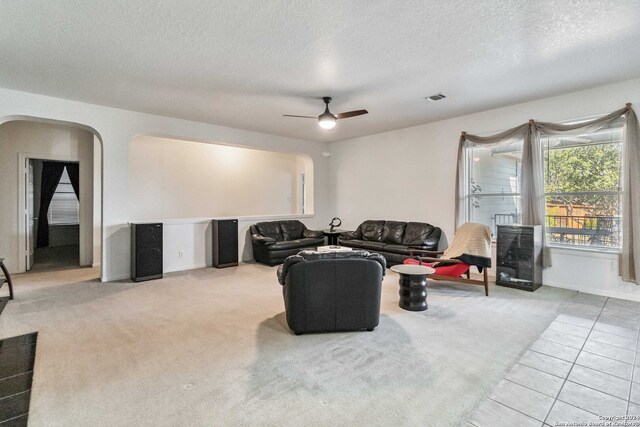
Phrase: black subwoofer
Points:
(225, 242)
(146, 251)
(518, 257)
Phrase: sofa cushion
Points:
(313, 233)
(270, 229)
(350, 235)
(397, 249)
(416, 233)
(310, 241)
(352, 243)
(292, 229)
(372, 230)
(373, 246)
(284, 244)
(393, 232)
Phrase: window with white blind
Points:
(64, 208)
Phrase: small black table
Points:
(332, 236)
(413, 286)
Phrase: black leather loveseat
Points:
(273, 241)
(392, 239)
(332, 291)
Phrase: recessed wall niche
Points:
(171, 178)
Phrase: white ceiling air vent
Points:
(436, 97)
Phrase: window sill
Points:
(606, 253)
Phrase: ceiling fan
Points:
(327, 120)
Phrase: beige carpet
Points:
(210, 347)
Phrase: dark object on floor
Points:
(519, 257)
(392, 239)
(274, 241)
(17, 356)
(146, 251)
(332, 291)
(413, 286)
(225, 242)
(6, 279)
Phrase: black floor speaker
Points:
(225, 242)
(146, 251)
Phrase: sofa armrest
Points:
(266, 241)
(348, 235)
(283, 269)
(432, 241)
(380, 259)
(429, 242)
(312, 233)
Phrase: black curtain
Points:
(51, 173)
(73, 170)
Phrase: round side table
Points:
(413, 286)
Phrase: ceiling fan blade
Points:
(304, 117)
(351, 114)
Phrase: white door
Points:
(29, 215)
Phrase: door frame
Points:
(23, 159)
(30, 215)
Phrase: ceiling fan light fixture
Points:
(327, 120)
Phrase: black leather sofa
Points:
(273, 241)
(392, 239)
(332, 291)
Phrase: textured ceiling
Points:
(246, 63)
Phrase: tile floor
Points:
(586, 364)
(17, 355)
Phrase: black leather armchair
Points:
(332, 291)
(273, 241)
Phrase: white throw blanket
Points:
(470, 239)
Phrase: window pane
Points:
(64, 207)
(584, 219)
(493, 190)
(582, 183)
(495, 210)
(495, 170)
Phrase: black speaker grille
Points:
(225, 242)
(149, 262)
(146, 251)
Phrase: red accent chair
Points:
(451, 270)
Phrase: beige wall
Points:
(170, 178)
(41, 141)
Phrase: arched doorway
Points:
(31, 140)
